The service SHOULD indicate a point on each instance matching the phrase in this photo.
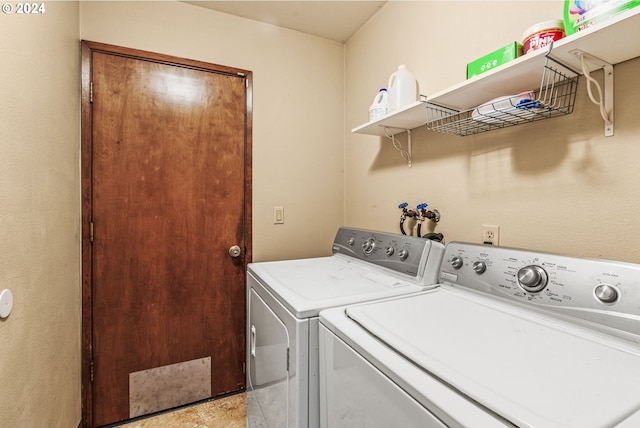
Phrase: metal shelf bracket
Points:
(604, 101)
(406, 154)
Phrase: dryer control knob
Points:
(532, 278)
(479, 267)
(403, 254)
(368, 246)
(456, 262)
(606, 293)
(389, 251)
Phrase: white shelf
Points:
(615, 41)
(409, 117)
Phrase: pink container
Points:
(542, 34)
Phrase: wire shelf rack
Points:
(555, 97)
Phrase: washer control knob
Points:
(389, 251)
(456, 262)
(479, 267)
(606, 293)
(532, 278)
(351, 241)
(368, 246)
(403, 254)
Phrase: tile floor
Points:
(227, 412)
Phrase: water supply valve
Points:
(421, 209)
(433, 215)
(406, 213)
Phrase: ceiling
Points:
(329, 19)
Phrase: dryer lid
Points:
(307, 286)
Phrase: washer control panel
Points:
(603, 291)
(404, 254)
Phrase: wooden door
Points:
(166, 194)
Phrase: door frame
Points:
(88, 48)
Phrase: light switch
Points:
(278, 215)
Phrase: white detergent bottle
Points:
(403, 89)
(379, 108)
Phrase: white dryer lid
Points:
(524, 366)
(307, 286)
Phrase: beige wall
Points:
(298, 109)
(39, 218)
(298, 163)
(556, 185)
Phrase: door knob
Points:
(235, 251)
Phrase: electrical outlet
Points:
(490, 234)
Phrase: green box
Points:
(494, 59)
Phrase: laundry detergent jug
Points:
(379, 108)
(402, 89)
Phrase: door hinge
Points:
(91, 371)
(244, 367)
(90, 92)
(287, 359)
(91, 232)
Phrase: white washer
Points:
(509, 338)
(285, 297)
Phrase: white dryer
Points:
(285, 298)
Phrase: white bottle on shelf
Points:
(379, 107)
(403, 89)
